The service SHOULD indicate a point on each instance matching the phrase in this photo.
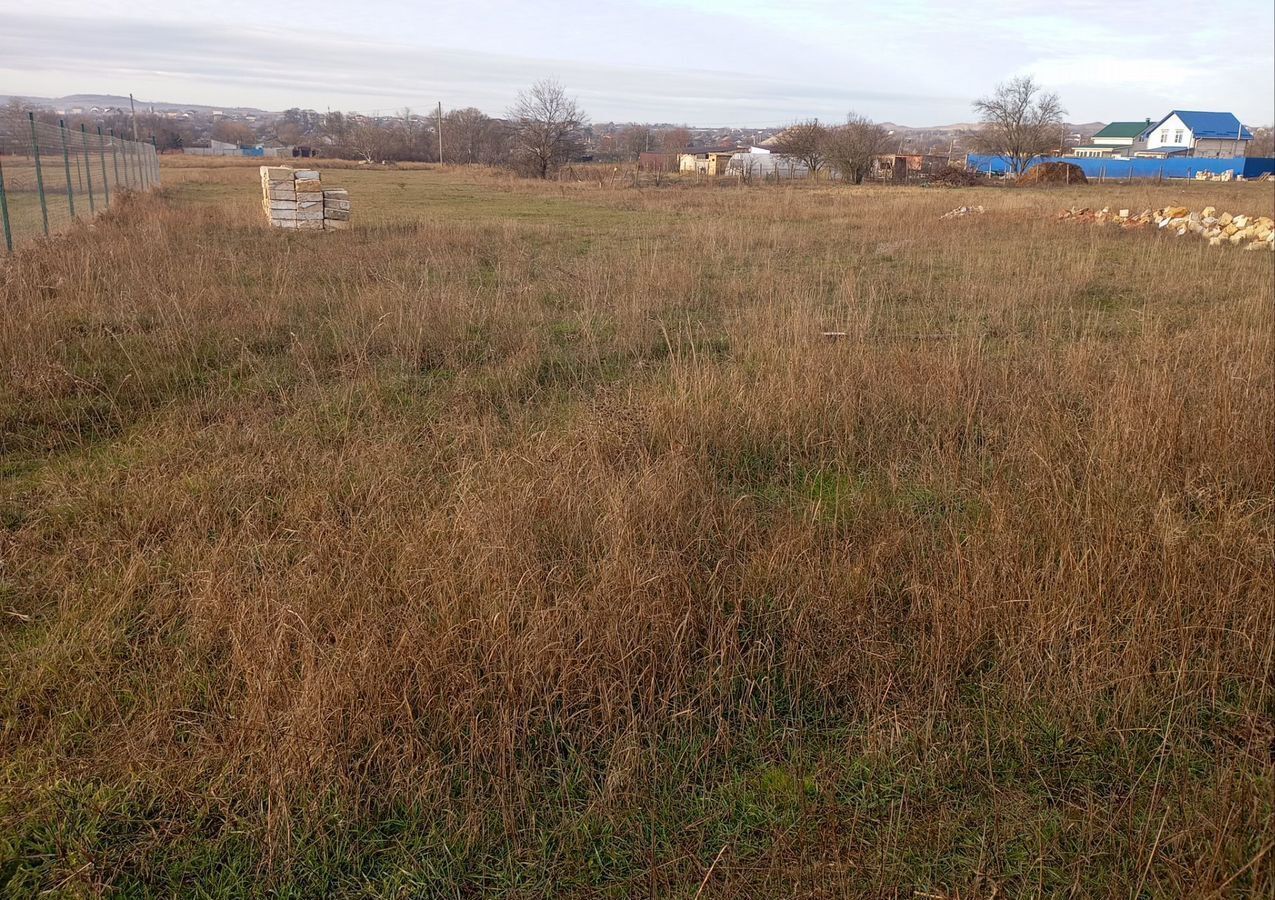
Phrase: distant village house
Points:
(1117, 139)
(1214, 135)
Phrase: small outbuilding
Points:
(705, 160)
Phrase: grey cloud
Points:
(320, 69)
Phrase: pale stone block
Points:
(314, 225)
(310, 215)
(335, 224)
(335, 204)
(305, 175)
(338, 214)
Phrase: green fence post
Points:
(101, 150)
(66, 165)
(39, 174)
(115, 160)
(4, 213)
(88, 170)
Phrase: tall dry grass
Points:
(567, 543)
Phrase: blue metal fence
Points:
(1120, 169)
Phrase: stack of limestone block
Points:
(295, 198)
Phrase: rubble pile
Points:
(955, 176)
(962, 211)
(1228, 175)
(296, 198)
(1251, 232)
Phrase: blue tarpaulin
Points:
(1118, 169)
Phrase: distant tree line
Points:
(846, 149)
(545, 129)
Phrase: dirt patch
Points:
(1053, 173)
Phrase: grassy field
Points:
(531, 540)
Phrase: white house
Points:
(1191, 133)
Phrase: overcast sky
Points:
(703, 62)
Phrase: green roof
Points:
(1123, 130)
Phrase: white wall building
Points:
(1191, 133)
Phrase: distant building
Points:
(760, 162)
(705, 160)
(653, 161)
(901, 166)
(1191, 133)
(1117, 139)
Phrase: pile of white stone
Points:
(962, 211)
(296, 198)
(1218, 228)
(1249, 232)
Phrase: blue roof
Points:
(1208, 124)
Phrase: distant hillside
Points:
(89, 100)
(958, 127)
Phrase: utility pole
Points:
(133, 107)
(440, 132)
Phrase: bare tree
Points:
(675, 140)
(14, 136)
(473, 136)
(416, 136)
(234, 133)
(1021, 121)
(634, 140)
(335, 129)
(373, 141)
(805, 142)
(1263, 143)
(289, 133)
(546, 128)
(851, 147)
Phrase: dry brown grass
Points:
(175, 162)
(529, 539)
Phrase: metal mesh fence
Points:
(52, 175)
